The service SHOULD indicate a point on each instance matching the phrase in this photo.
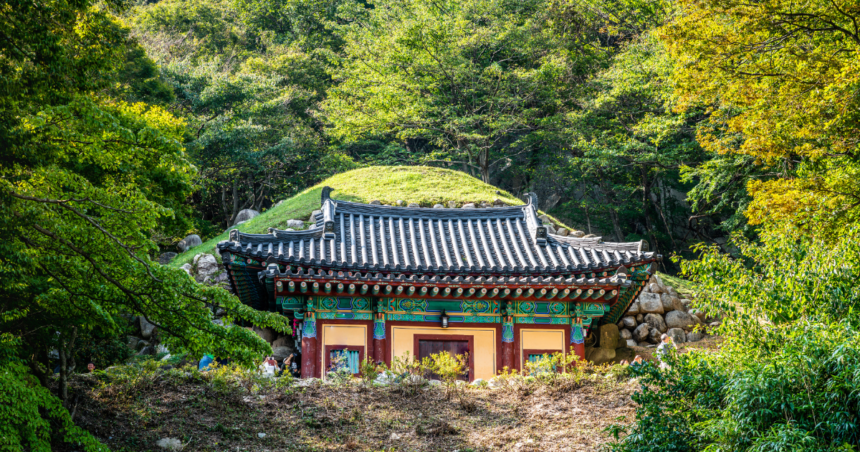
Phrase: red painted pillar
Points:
(579, 349)
(379, 338)
(508, 344)
(309, 346)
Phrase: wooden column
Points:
(309, 346)
(379, 338)
(508, 343)
(577, 337)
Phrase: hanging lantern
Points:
(444, 317)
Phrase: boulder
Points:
(470, 205)
(679, 319)
(715, 324)
(564, 232)
(677, 305)
(132, 341)
(609, 336)
(625, 334)
(283, 341)
(550, 229)
(640, 318)
(678, 335)
(268, 334)
(452, 204)
(190, 241)
(375, 202)
(632, 343)
(654, 336)
(146, 328)
(629, 322)
(484, 204)
(577, 234)
(207, 265)
(499, 203)
(149, 350)
(165, 258)
(656, 322)
(313, 217)
(296, 224)
(694, 336)
(634, 308)
(477, 382)
(400, 203)
(657, 280)
(282, 353)
(601, 355)
(245, 215)
(414, 204)
(641, 332)
(666, 299)
(438, 206)
(544, 219)
(671, 291)
(686, 301)
(655, 288)
(698, 313)
(187, 268)
(650, 303)
(140, 344)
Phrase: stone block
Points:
(632, 343)
(602, 355)
(625, 334)
(650, 303)
(666, 299)
(629, 322)
(641, 332)
(296, 224)
(207, 265)
(314, 214)
(609, 336)
(656, 322)
(679, 319)
(694, 336)
(470, 205)
(452, 204)
(678, 335)
(146, 328)
(654, 336)
(634, 308)
(190, 241)
(655, 288)
(414, 204)
(245, 215)
(438, 206)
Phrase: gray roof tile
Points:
(351, 235)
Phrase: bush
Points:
(788, 375)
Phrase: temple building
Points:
(377, 282)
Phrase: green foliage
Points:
(479, 81)
(29, 412)
(779, 80)
(787, 375)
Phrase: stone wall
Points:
(661, 309)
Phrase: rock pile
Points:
(661, 309)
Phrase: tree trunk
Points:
(646, 200)
(67, 363)
(484, 165)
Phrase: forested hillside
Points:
(725, 134)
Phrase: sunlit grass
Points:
(388, 184)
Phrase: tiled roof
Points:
(353, 236)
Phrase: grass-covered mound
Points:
(387, 184)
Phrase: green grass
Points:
(680, 285)
(419, 184)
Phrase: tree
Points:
(482, 82)
(247, 81)
(779, 80)
(86, 180)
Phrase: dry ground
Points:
(209, 413)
